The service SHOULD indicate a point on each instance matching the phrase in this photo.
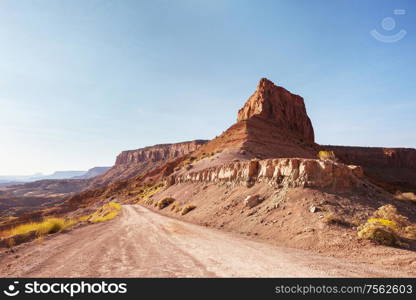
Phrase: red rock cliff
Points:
(394, 168)
(272, 123)
(158, 152)
(276, 104)
(135, 162)
(283, 172)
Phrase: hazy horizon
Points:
(2, 176)
(82, 81)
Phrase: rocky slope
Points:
(23, 198)
(135, 162)
(47, 187)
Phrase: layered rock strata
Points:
(284, 172)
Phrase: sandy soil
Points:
(141, 243)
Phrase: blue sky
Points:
(82, 80)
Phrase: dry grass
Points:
(165, 202)
(326, 155)
(145, 194)
(187, 209)
(84, 218)
(379, 233)
(389, 212)
(53, 225)
(107, 212)
(47, 226)
(384, 222)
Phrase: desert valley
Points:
(264, 186)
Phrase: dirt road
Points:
(141, 243)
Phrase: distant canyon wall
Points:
(132, 163)
(393, 168)
(158, 152)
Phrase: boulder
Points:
(252, 200)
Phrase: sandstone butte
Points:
(275, 104)
(273, 123)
